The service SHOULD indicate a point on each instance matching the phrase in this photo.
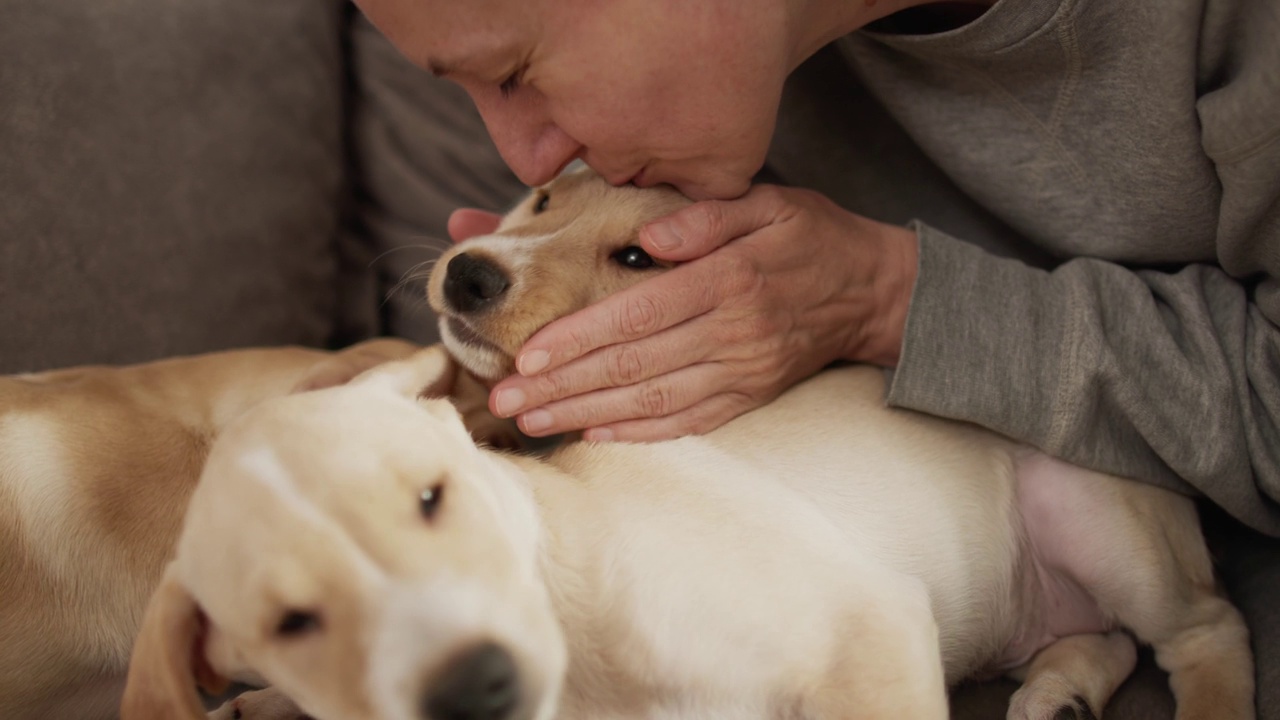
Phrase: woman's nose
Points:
(531, 143)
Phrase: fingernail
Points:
(664, 236)
(509, 401)
(536, 420)
(533, 362)
(598, 435)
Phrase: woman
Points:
(1137, 145)
(1059, 219)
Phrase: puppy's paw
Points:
(1049, 698)
(1077, 710)
(268, 704)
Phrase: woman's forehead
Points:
(449, 37)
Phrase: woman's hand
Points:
(778, 284)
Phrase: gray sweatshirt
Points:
(1133, 148)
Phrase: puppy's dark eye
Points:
(297, 622)
(541, 206)
(633, 257)
(429, 501)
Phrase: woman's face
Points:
(646, 91)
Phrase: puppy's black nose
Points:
(480, 684)
(471, 284)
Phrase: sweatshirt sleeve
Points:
(1168, 377)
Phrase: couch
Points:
(180, 176)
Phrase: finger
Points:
(641, 310)
(465, 223)
(656, 397)
(611, 366)
(696, 230)
(697, 419)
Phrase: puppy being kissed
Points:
(821, 557)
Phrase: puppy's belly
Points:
(1064, 510)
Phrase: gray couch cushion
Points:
(171, 179)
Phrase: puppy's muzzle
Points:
(479, 684)
(472, 284)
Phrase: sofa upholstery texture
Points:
(181, 176)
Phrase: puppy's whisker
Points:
(413, 274)
(437, 246)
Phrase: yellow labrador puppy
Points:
(821, 557)
(96, 466)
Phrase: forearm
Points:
(1166, 378)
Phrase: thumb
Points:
(696, 230)
(467, 223)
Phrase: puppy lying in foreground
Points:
(821, 557)
(96, 466)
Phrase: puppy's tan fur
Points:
(96, 466)
(821, 557)
(560, 259)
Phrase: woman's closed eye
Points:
(511, 83)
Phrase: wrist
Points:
(891, 288)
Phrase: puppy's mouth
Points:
(479, 355)
(463, 333)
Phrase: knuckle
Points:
(554, 385)
(734, 334)
(763, 329)
(738, 274)
(739, 403)
(656, 400)
(687, 424)
(640, 317)
(574, 415)
(585, 417)
(755, 329)
(578, 342)
(626, 366)
(709, 221)
(701, 419)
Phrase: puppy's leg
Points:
(1138, 552)
(1073, 678)
(1150, 571)
(1204, 646)
(1169, 599)
(267, 704)
(888, 665)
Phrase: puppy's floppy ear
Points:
(169, 659)
(342, 366)
(430, 372)
(433, 375)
